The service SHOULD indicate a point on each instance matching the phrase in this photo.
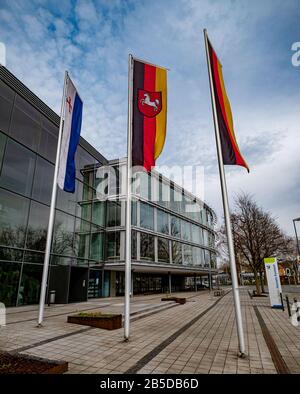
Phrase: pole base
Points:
(241, 355)
(126, 339)
(39, 325)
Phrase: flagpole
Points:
(235, 286)
(128, 207)
(52, 211)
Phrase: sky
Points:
(253, 40)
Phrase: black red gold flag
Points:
(149, 113)
(230, 150)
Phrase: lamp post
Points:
(297, 241)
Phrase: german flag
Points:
(149, 113)
(230, 150)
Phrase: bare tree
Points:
(256, 235)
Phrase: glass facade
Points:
(170, 227)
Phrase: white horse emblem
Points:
(146, 101)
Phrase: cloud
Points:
(92, 40)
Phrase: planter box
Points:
(176, 299)
(11, 363)
(107, 322)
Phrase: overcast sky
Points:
(92, 39)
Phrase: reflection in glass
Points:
(187, 255)
(7, 254)
(175, 227)
(18, 168)
(63, 234)
(97, 246)
(186, 230)
(176, 252)
(147, 247)
(162, 222)
(37, 226)
(113, 214)
(48, 142)
(13, 219)
(25, 123)
(146, 216)
(113, 245)
(6, 103)
(98, 215)
(9, 279)
(163, 250)
(133, 245)
(3, 139)
(43, 181)
(29, 291)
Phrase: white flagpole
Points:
(235, 286)
(128, 205)
(52, 210)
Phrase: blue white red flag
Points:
(70, 138)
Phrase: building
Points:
(170, 243)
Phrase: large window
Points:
(195, 234)
(146, 216)
(26, 123)
(43, 181)
(113, 245)
(6, 100)
(18, 168)
(63, 234)
(175, 227)
(186, 230)
(29, 292)
(48, 142)
(98, 214)
(163, 250)
(13, 219)
(187, 255)
(9, 279)
(176, 252)
(37, 226)
(113, 214)
(96, 251)
(3, 139)
(162, 222)
(198, 256)
(147, 247)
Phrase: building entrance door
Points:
(78, 284)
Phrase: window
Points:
(18, 168)
(7, 254)
(29, 292)
(98, 216)
(205, 237)
(96, 252)
(146, 216)
(66, 201)
(63, 234)
(26, 124)
(147, 247)
(162, 222)
(3, 139)
(186, 230)
(113, 214)
(9, 279)
(175, 227)
(133, 245)
(163, 250)
(134, 213)
(6, 103)
(37, 226)
(197, 257)
(83, 162)
(145, 185)
(195, 234)
(207, 258)
(113, 245)
(187, 255)
(48, 143)
(176, 252)
(43, 181)
(164, 194)
(13, 219)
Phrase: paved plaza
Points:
(198, 337)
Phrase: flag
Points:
(70, 138)
(149, 113)
(230, 150)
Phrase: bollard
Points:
(288, 305)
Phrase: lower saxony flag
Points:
(149, 113)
